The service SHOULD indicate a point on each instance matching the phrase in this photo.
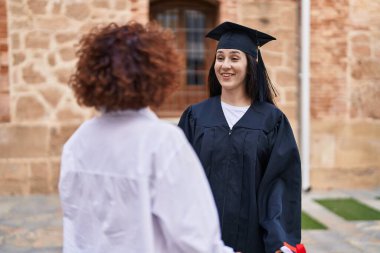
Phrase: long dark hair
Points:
(255, 88)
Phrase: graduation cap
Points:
(234, 36)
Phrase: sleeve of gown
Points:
(187, 123)
(279, 196)
(183, 204)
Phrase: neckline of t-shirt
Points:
(234, 106)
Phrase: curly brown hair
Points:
(125, 67)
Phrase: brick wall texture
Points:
(38, 111)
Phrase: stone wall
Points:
(42, 111)
(4, 77)
(278, 18)
(345, 75)
(38, 112)
(345, 92)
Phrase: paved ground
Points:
(33, 225)
(342, 236)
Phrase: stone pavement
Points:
(33, 224)
(342, 236)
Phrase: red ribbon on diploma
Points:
(299, 248)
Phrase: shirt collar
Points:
(146, 112)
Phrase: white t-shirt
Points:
(233, 113)
(132, 183)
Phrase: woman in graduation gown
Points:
(247, 147)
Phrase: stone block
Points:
(57, 6)
(121, 4)
(365, 69)
(367, 129)
(273, 59)
(37, 6)
(78, 11)
(358, 152)
(5, 107)
(51, 59)
(13, 177)
(58, 137)
(20, 24)
(286, 78)
(322, 150)
(65, 37)
(54, 23)
(12, 187)
(4, 55)
(66, 114)
(38, 186)
(29, 108)
(37, 40)
(4, 80)
(32, 76)
(52, 95)
(17, 171)
(23, 141)
(15, 41)
(101, 4)
(17, 10)
(18, 58)
(288, 19)
(39, 171)
(361, 48)
(365, 100)
(361, 51)
(360, 38)
(67, 53)
(63, 75)
(353, 178)
(55, 170)
(345, 144)
(328, 98)
(365, 12)
(291, 95)
(257, 10)
(87, 26)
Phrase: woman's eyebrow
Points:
(231, 52)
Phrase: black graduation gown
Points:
(254, 172)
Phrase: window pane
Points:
(195, 53)
(189, 26)
(168, 19)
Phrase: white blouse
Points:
(132, 183)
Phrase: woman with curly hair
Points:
(127, 179)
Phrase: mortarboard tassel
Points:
(263, 81)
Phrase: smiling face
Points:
(231, 68)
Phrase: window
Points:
(190, 22)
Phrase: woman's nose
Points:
(226, 64)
